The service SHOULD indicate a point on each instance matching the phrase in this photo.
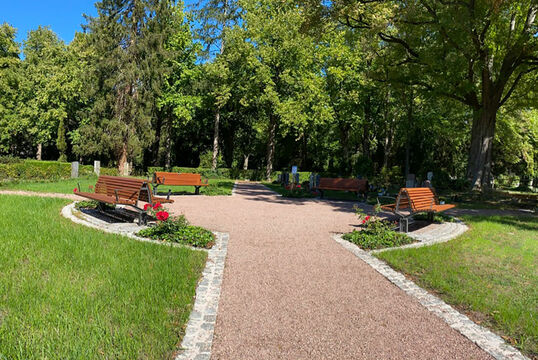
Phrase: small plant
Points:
(375, 233)
(178, 230)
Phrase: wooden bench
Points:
(339, 184)
(116, 190)
(177, 179)
(411, 201)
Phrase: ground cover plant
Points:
(490, 273)
(69, 292)
(376, 233)
(178, 230)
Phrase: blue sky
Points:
(63, 16)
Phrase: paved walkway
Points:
(291, 292)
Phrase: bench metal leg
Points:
(404, 225)
(197, 190)
(155, 189)
(321, 194)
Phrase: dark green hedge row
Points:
(45, 170)
(226, 173)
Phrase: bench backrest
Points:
(416, 198)
(127, 188)
(169, 178)
(344, 184)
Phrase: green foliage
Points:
(179, 231)
(377, 234)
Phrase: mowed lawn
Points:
(216, 186)
(69, 292)
(490, 273)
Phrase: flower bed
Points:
(376, 233)
(176, 229)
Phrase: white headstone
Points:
(430, 175)
(97, 167)
(294, 169)
(74, 169)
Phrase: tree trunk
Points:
(216, 141)
(388, 131)
(409, 132)
(245, 161)
(482, 135)
(270, 148)
(39, 151)
(122, 161)
(366, 126)
(168, 151)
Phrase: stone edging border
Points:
(198, 339)
(482, 337)
(447, 231)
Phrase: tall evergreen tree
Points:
(129, 72)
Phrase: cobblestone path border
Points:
(484, 338)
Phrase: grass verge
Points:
(67, 291)
(489, 273)
(216, 186)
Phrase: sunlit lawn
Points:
(216, 186)
(69, 292)
(491, 273)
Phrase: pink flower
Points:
(75, 190)
(162, 215)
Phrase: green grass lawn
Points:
(216, 186)
(490, 273)
(69, 292)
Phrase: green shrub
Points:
(377, 234)
(179, 231)
(44, 170)
(8, 159)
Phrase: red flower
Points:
(75, 190)
(299, 186)
(146, 207)
(367, 218)
(157, 206)
(364, 221)
(162, 215)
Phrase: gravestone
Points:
(430, 175)
(97, 167)
(74, 169)
(296, 178)
(411, 181)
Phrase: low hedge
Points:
(45, 170)
(227, 173)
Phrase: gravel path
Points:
(40, 194)
(291, 292)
